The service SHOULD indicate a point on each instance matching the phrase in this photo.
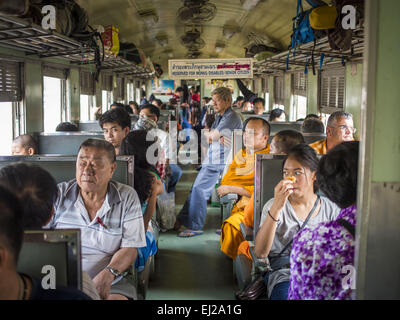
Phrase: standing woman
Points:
(295, 205)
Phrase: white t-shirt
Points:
(287, 227)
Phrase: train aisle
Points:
(192, 268)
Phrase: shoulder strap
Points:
(304, 224)
(348, 226)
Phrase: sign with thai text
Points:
(211, 68)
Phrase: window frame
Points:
(332, 74)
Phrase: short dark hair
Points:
(312, 125)
(337, 174)
(306, 156)
(311, 115)
(286, 139)
(11, 219)
(179, 89)
(136, 144)
(275, 113)
(67, 126)
(256, 100)
(266, 125)
(153, 109)
(35, 187)
(117, 115)
(239, 98)
(159, 102)
(100, 144)
(27, 142)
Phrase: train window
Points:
(106, 100)
(279, 92)
(332, 90)
(130, 90)
(88, 103)
(266, 98)
(6, 129)
(54, 92)
(298, 107)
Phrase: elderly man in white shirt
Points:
(109, 216)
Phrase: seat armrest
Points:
(247, 232)
(261, 263)
(228, 198)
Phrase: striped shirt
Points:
(117, 224)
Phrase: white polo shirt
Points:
(118, 223)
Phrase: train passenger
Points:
(259, 106)
(194, 211)
(148, 186)
(109, 216)
(14, 285)
(312, 115)
(319, 254)
(37, 191)
(238, 103)
(277, 115)
(239, 179)
(281, 143)
(153, 113)
(295, 204)
(246, 106)
(312, 125)
(24, 145)
(157, 103)
(134, 106)
(116, 124)
(340, 128)
(67, 126)
(147, 122)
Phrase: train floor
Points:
(191, 268)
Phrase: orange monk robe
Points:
(240, 174)
(248, 221)
(319, 146)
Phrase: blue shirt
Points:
(225, 124)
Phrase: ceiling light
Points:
(249, 4)
(219, 47)
(149, 17)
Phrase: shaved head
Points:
(24, 145)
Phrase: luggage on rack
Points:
(14, 7)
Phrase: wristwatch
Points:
(115, 272)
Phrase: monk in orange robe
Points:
(239, 179)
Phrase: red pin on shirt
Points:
(101, 222)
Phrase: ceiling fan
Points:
(196, 11)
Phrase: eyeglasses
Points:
(344, 128)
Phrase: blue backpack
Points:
(302, 31)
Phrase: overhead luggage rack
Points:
(304, 53)
(26, 36)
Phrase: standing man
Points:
(340, 128)
(194, 211)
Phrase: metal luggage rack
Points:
(303, 55)
(24, 35)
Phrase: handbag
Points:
(254, 290)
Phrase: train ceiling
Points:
(179, 29)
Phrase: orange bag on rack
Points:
(110, 39)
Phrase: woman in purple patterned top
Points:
(322, 257)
